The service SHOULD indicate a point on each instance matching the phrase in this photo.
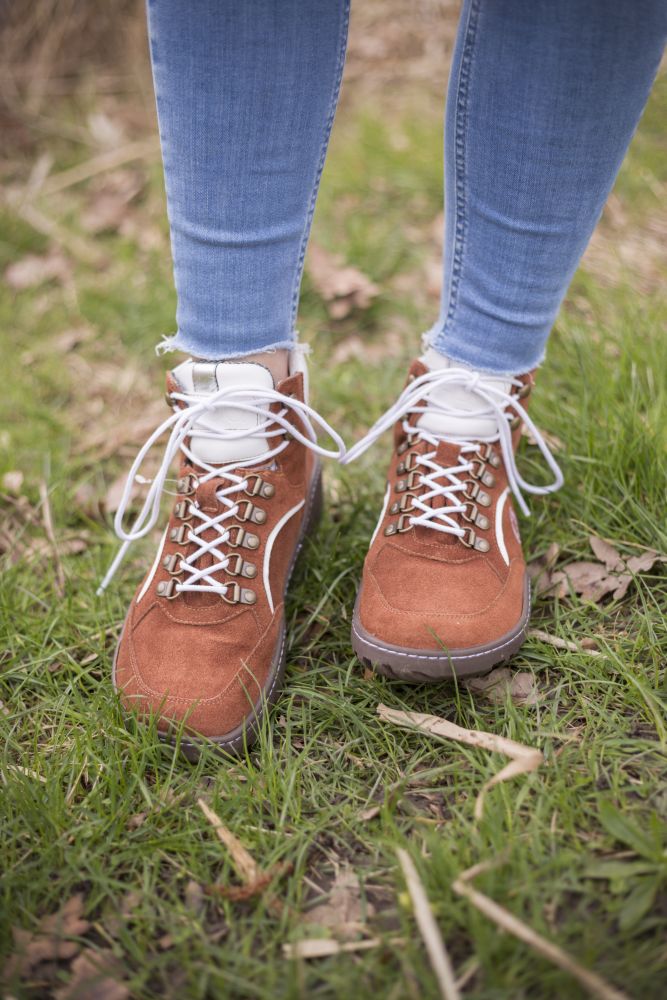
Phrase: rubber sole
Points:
(427, 666)
(237, 740)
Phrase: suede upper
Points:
(424, 589)
(200, 656)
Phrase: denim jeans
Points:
(543, 99)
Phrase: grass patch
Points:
(88, 806)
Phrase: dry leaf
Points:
(49, 942)
(495, 686)
(606, 553)
(110, 201)
(324, 947)
(523, 759)
(95, 976)
(553, 442)
(613, 575)
(194, 896)
(69, 339)
(244, 863)
(430, 932)
(13, 481)
(343, 288)
(343, 913)
(33, 270)
(114, 494)
(540, 569)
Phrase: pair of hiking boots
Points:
(444, 589)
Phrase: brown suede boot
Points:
(204, 637)
(445, 590)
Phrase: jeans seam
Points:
(342, 45)
(460, 139)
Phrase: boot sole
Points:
(425, 666)
(237, 740)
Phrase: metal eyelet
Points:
(489, 456)
(183, 510)
(402, 525)
(172, 564)
(238, 536)
(404, 505)
(478, 471)
(167, 588)
(410, 483)
(409, 463)
(239, 595)
(187, 485)
(248, 512)
(257, 487)
(180, 534)
(515, 422)
(475, 492)
(524, 391)
(237, 566)
(471, 541)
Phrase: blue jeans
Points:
(543, 99)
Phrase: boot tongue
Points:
(202, 379)
(460, 426)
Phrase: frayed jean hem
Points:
(180, 342)
(466, 353)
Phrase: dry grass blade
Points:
(139, 150)
(524, 759)
(246, 866)
(558, 643)
(429, 929)
(324, 947)
(506, 921)
(47, 519)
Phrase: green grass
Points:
(73, 776)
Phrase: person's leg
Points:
(544, 97)
(246, 94)
(543, 100)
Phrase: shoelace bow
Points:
(447, 482)
(182, 426)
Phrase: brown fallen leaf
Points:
(506, 921)
(343, 912)
(51, 941)
(66, 341)
(96, 975)
(496, 686)
(523, 759)
(246, 867)
(33, 270)
(114, 494)
(593, 581)
(240, 893)
(540, 569)
(13, 481)
(606, 553)
(553, 442)
(193, 896)
(342, 287)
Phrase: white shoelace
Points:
(449, 482)
(182, 425)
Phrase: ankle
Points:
(276, 361)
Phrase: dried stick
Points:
(47, 519)
(430, 932)
(595, 984)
